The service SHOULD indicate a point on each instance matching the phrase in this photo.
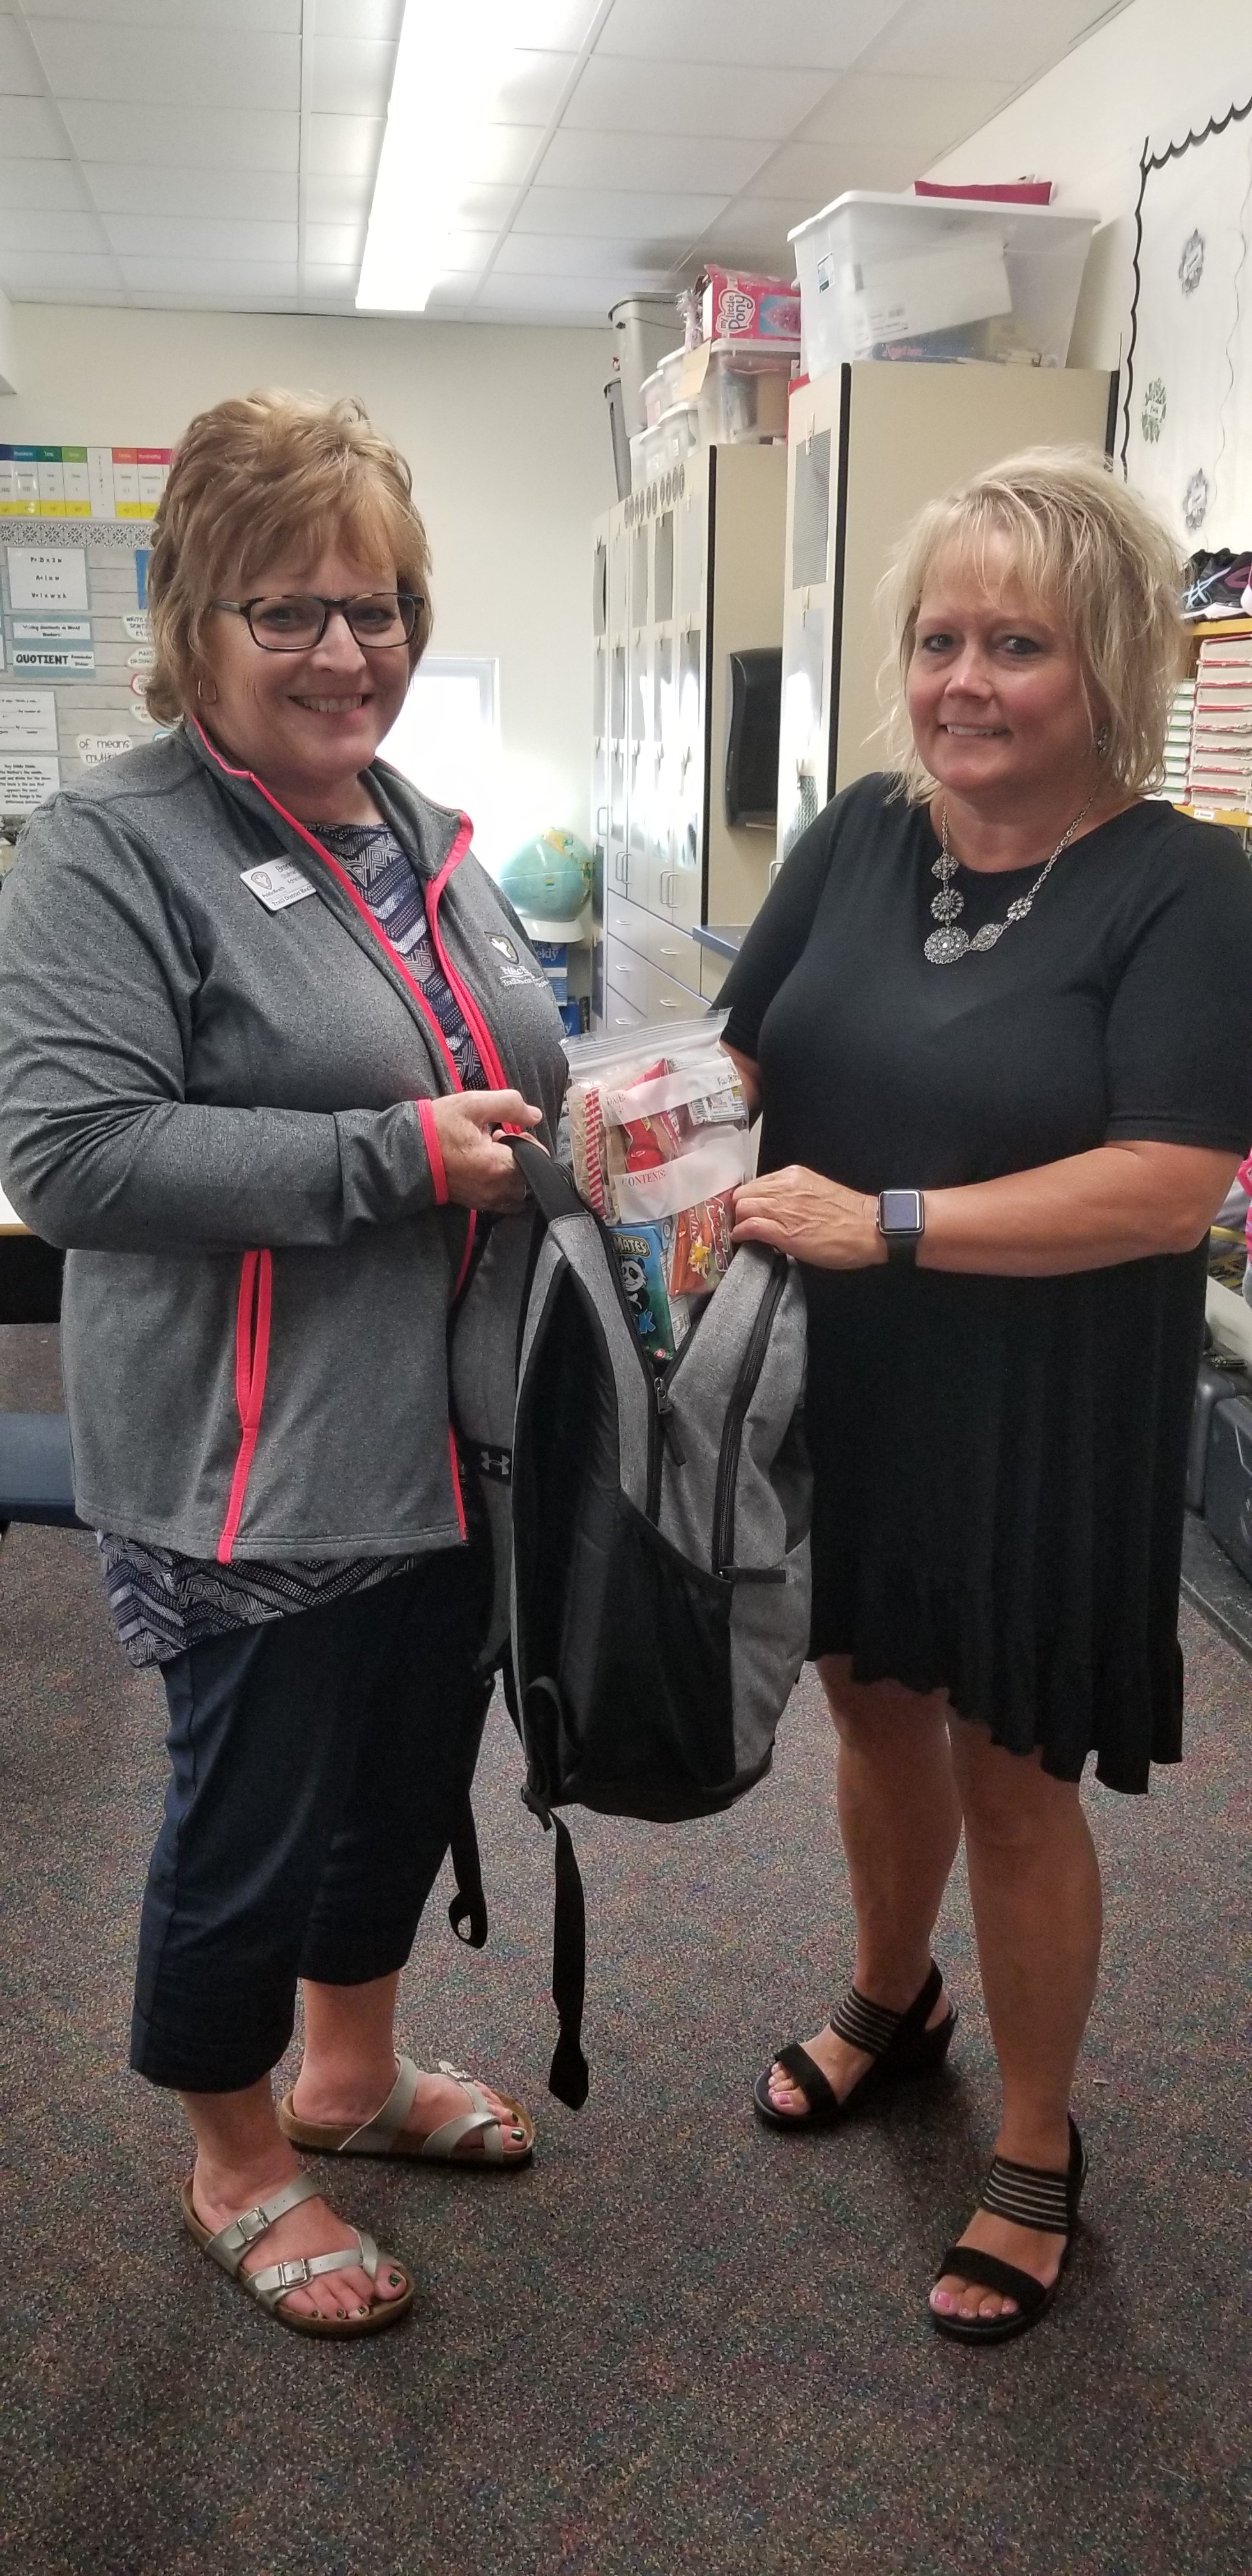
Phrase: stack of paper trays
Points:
(1178, 743)
(1220, 773)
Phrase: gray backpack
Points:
(660, 1553)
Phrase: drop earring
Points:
(205, 701)
(1102, 741)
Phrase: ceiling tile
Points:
(377, 20)
(530, 91)
(41, 183)
(30, 130)
(37, 228)
(334, 245)
(788, 34)
(118, 188)
(552, 299)
(501, 155)
(345, 146)
(262, 17)
(546, 255)
(752, 233)
(30, 275)
(485, 209)
(172, 237)
(337, 197)
(661, 161)
(611, 212)
(692, 98)
(19, 68)
(182, 298)
(171, 66)
(1006, 40)
(908, 122)
(352, 76)
(211, 276)
(331, 284)
(466, 254)
(201, 138)
(559, 24)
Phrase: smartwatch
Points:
(901, 1223)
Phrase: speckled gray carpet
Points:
(679, 2345)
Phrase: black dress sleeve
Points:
(777, 938)
(1178, 1043)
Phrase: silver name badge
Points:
(277, 884)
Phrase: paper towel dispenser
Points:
(752, 745)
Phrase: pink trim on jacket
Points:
(491, 1065)
(434, 1151)
(252, 1350)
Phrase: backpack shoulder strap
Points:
(548, 1182)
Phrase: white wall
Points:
(1158, 69)
(507, 434)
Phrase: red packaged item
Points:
(703, 1249)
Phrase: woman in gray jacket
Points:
(262, 1018)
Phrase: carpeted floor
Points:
(679, 2345)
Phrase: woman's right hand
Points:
(480, 1171)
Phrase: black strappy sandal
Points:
(1030, 2197)
(898, 2042)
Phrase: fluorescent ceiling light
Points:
(451, 66)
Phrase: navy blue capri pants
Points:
(319, 1765)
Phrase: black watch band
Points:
(901, 1223)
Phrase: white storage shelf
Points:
(684, 574)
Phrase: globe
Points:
(549, 878)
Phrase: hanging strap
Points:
(467, 1913)
(567, 2075)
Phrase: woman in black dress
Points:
(1004, 989)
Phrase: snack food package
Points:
(658, 1126)
(645, 1255)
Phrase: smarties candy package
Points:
(659, 1143)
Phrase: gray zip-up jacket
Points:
(216, 1108)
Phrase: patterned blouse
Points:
(162, 1603)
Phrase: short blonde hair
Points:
(252, 479)
(1086, 547)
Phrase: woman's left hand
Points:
(816, 1220)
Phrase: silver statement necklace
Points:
(946, 944)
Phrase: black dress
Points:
(999, 1462)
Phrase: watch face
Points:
(901, 1212)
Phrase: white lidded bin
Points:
(660, 389)
(939, 278)
(743, 390)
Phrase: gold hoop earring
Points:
(205, 702)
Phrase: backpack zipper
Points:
(736, 1414)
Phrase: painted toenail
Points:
(395, 2278)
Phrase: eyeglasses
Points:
(295, 621)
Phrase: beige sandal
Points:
(229, 2246)
(385, 2134)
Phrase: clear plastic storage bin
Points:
(681, 425)
(649, 454)
(660, 389)
(939, 279)
(743, 398)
